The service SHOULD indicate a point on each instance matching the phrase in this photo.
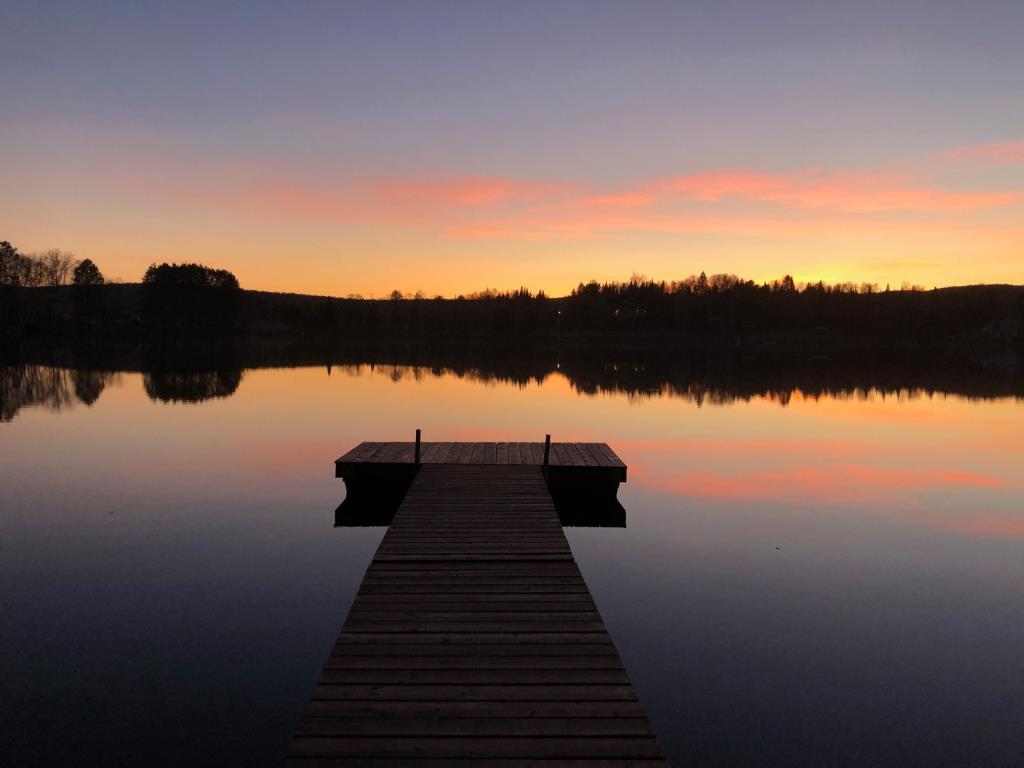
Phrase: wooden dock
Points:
(473, 639)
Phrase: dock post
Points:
(547, 448)
(417, 459)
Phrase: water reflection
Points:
(806, 579)
(58, 389)
(191, 386)
(192, 377)
(52, 388)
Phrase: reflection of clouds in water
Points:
(906, 494)
(52, 388)
(809, 485)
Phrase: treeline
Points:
(55, 294)
(194, 304)
(708, 311)
(50, 268)
(726, 305)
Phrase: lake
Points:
(833, 578)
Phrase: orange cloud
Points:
(516, 209)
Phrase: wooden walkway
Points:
(474, 640)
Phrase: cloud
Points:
(844, 191)
(417, 201)
(745, 202)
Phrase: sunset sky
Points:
(341, 147)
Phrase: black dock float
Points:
(583, 478)
(473, 639)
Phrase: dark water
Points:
(803, 581)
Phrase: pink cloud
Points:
(844, 191)
(413, 201)
(810, 201)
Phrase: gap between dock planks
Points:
(473, 639)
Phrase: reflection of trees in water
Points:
(60, 388)
(52, 388)
(779, 381)
(699, 379)
(190, 387)
(398, 372)
(89, 384)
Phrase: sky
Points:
(355, 148)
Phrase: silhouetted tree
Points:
(49, 268)
(10, 264)
(191, 275)
(702, 284)
(190, 295)
(54, 267)
(10, 261)
(87, 273)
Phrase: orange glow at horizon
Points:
(946, 219)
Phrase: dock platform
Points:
(598, 457)
(473, 639)
(583, 478)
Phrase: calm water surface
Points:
(802, 582)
